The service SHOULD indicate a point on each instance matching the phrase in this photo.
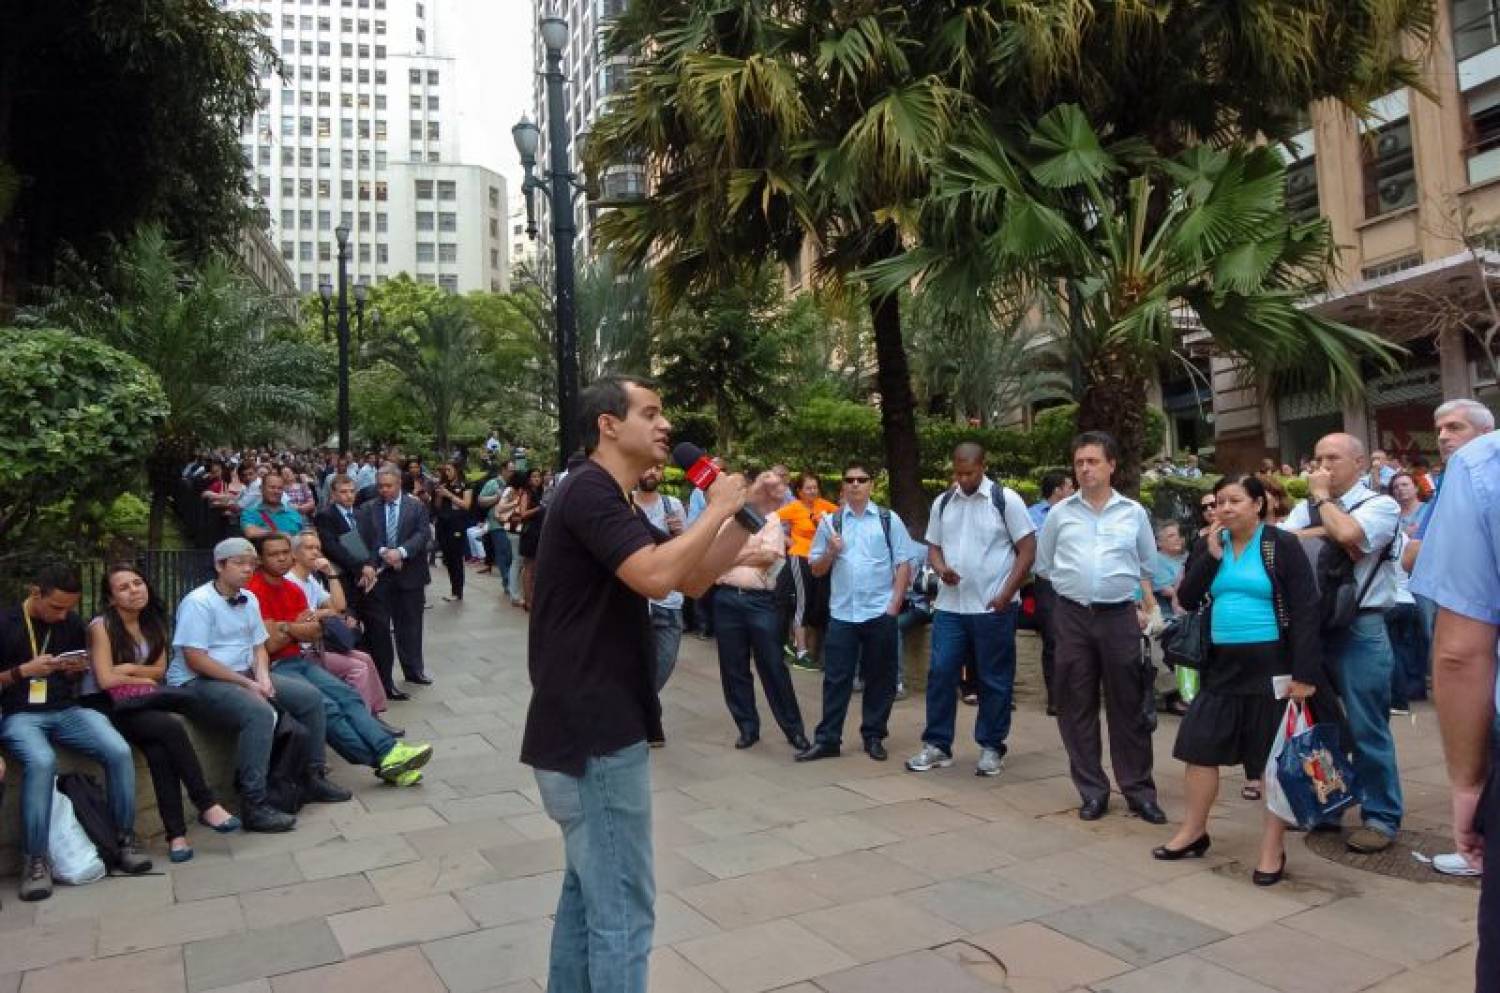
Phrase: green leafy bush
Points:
(1053, 429)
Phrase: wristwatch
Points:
(1313, 503)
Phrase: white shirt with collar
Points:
(1094, 557)
(1378, 517)
(976, 545)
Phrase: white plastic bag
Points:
(74, 859)
(475, 537)
(1293, 721)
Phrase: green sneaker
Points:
(403, 758)
(411, 777)
(805, 662)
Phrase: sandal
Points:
(1250, 792)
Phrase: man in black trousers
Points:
(394, 528)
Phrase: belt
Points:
(745, 590)
(1102, 608)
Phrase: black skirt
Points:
(1231, 722)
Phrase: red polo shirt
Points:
(279, 601)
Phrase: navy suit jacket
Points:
(412, 535)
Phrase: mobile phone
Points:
(74, 659)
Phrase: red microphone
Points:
(701, 472)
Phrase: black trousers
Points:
(385, 608)
(1045, 602)
(1487, 964)
(872, 647)
(169, 755)
(748, 626)
(1101, 648)
(454, 545)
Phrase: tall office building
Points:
(362, 128)
(592, 81)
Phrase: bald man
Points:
(1343, 511)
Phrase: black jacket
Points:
(1292, 589)
(331, 526)
(412, 533)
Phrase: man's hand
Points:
(1470, 842)
(1215, 544)
(41, 667)
(392, 557)
(1318, 482)
(727, 492)
(367, 578)
(1301, 691)
(949, 576)
(835, 544)
(1143, 616)
(674, 525)
(893, 608)
(321, 564)
(265, 687)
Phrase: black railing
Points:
(172, 573)
(203, 525)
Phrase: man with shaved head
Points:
(1354, 519)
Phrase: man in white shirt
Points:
(981, 544)
(1342, 510)
(1096, 549)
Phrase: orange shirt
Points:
(804, 523)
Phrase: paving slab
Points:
(340, 857)
(1130, 929)
(303, 901)
(763, 956)
(1033, 954)
(1181, 974)
(1292, 962)
(405, 970)
(984, 902)
(158, 970)
(47, 944)
(923, 970)
(510, 900)
(479, 960)
(374, 928)
(880, 927)
(201, 882)
(170, 926)
(259, 954)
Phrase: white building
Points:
(363, 128)
(592, 80)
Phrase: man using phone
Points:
(42, 658)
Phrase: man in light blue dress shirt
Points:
(1096, 550)
(1459, 568)
(869, 554)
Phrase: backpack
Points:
(837, 523)
(997, 499)
(1338, 599)
(92, 810)
(288, 766)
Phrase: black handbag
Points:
(338, 636)
(1185, 640)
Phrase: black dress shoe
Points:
(746, 739)
(1092, 810)
(1148, 811)
(799, 742)
(876, 750)
(265, 819)
(319, 790)
(1269, 878)
(397, 695)
(817, 751)
(390, 729)
(1197, 850)
(421, 679)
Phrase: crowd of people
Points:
(1305, 601)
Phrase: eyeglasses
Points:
(856, 480)
(1208, 504)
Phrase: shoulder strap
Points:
(943, 503)
(997, 497)
(885, 526)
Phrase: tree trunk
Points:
(157, 521)
(1114, 401)
(898, 420)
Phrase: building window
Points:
(424, 189)
(364, 129)
(288, 188)
(288, 156)
(494, 258)
(289, 251)
(1302, 189)
(263, 155)
(416, 77)
(364, 220)
(364, 190)
(364, 252)
(426, 251)
(346, 189)
(325, 219)
(380, 159)
(325, 158)
(416, 129)
(494, 228)
(1476, 26)
(447, 252)
(305, 282)
(424, 220)
(379, 77)
(1391, 267)
(447, 222)
(421, 36)
(495, 197)
(433, 157)
(432, 102)
(304, 187)
(380, 130)
(1389, 169)
(325, 128)
(432, 77)
(432, 130)
(448, 282)
(304, 251)
(416, 102)
(346, 219)
(426, 278)
(381, 190)
(304, 157)
(325, 251)
(346, 128)
(263, 186)
(380, 101)
(305, 220)
(447, 189)
(364, 158)
(324, 189)
(381, 225)
(288, 219)
(1482, 133)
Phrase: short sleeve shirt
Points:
(284, 518)
(976, 544)
(279, 601)
(67, 635)
(863, 574)
(228, 632)
(1094, 557)
(1378, 517)
(591, 653)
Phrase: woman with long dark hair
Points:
(810, 606)
(529, 513)
(128, 645)
(1263, 623)
(451, 500)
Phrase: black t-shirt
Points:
(451, 515)
(68, 635)
(590, 653)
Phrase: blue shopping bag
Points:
(1312, 770)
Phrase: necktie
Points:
(348, 517)
(391, 511)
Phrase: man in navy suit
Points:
(394, 527)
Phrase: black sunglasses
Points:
(857, 480)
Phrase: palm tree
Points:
(773, 123)
(1134, 245)
(441, 354)
(614, 319)
(207, 334)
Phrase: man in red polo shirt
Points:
(352, 732)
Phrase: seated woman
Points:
(1263, 623)
(128, 645)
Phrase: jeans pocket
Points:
(560, 795)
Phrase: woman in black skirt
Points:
(451, 500)
(1263, 623)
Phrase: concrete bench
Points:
(216, 753)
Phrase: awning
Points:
(1414, 302)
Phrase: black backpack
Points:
(288, 768)
(1338, 597)
(92, 810)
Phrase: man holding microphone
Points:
(592, 662)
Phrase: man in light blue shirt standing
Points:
(1459, 569)
(869, 553)
(1096, 550)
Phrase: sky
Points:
(495, 42)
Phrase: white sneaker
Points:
(930, 757)
(1453, 864)
(989, 763)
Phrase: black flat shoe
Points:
(876, 750)
(1149, 811)
(1092, 810)
(745, 740)
(817, 751)
(799, 742)
(1269, 878)
(1197, 850)
(421, 679)
(397, 695)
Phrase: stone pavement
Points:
(841, 876)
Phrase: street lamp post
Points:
(560, 183)
(325, 292)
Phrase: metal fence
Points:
(173, 573)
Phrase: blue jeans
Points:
(990, 640)
(601, 937)
(30, 735)
(1412, 648)
(666, 626)
(348, 725)
(869, 647)
(500, 543)
(1364, 665)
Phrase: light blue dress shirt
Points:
(227, 632)
(1094, 557)
(1038, 513)
(1459, 565)
(697, 503)
(860, 585)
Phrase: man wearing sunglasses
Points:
(869, 554)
